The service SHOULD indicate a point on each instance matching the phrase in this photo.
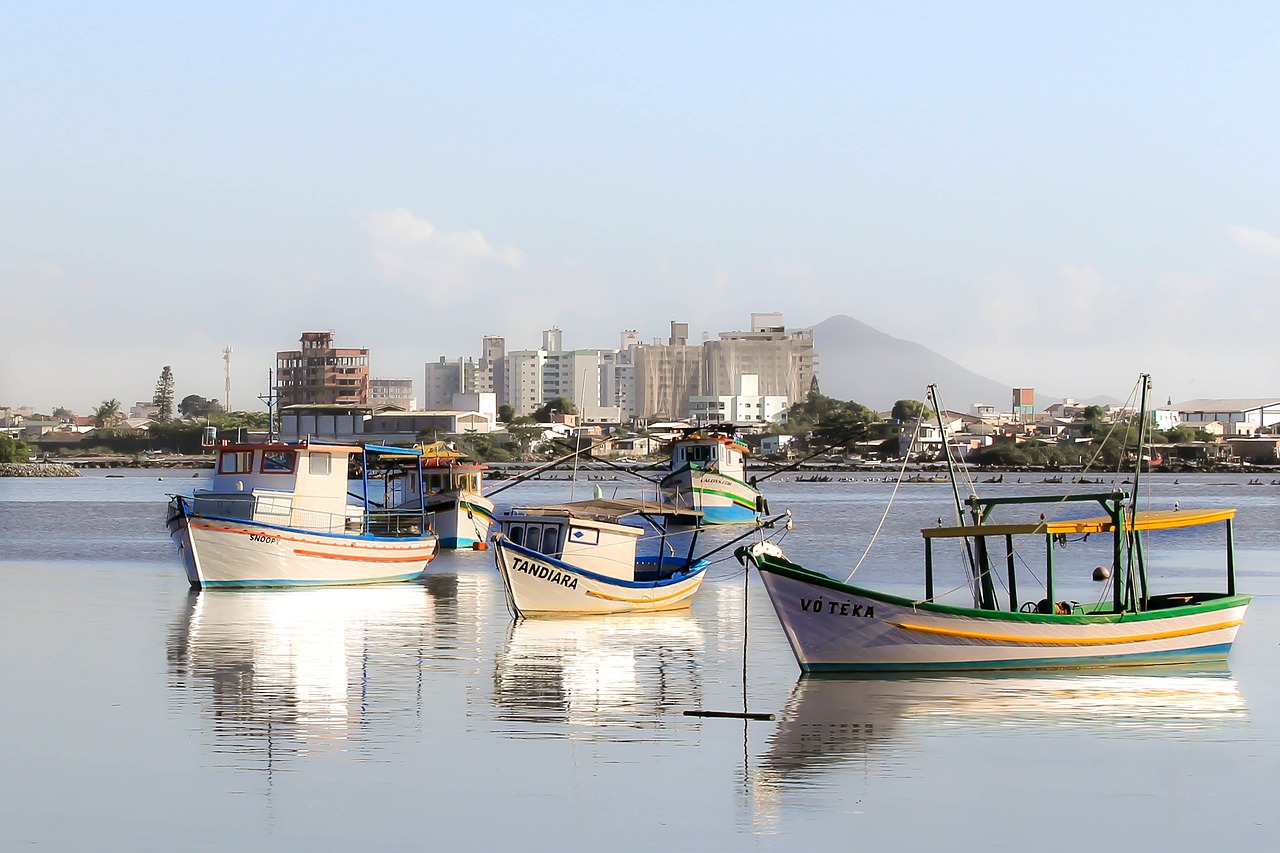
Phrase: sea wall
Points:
(37, 469)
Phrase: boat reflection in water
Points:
(290, 672)
(606, 677)
(830, 720)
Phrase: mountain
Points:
(857, 362)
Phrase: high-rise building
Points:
(668, 375)
(320, 374)
(392, 392)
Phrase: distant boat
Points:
(452, 489)
(833, 626)
(277, 514)
(708, 467)
(579, 557)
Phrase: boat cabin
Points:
(293, 485)
(590, 535)
(303, 485)
(723, 453)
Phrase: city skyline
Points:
(1056, 198)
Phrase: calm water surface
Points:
(139, 715)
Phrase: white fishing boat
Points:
(452, 490)
(708, 474)
(580, 557)
(835, 626)
(278, 514)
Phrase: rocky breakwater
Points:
(37, 469)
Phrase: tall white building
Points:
(745, 406)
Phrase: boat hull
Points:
(720, 499)
(224, 552)
(833, 627)
(463, 521)
(539, 585)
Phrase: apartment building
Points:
(321, 374)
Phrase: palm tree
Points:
(108, 414)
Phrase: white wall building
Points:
(746, 406)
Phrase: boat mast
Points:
(1135, 570)
(270, 399)
(979, 589)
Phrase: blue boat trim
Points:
(1178, 656)
(361, 537)
(693, 569)
(282, 582)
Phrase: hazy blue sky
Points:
(1053, 195)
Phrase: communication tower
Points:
(226, 393)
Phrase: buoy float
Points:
(479, 546)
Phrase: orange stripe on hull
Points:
(1067, 641)
(363, 557)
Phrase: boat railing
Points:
(401, 523)
(278, 508)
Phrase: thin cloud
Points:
(1255, 240)
(404, 243)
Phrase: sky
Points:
(1054, 195)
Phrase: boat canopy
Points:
(1165, 519)
(610, 509)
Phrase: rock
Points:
(37, 469)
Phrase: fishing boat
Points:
(451, 489)
(708, 470)
(279, 514)
(580, 557)
(834, 626)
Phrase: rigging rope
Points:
(901, 473)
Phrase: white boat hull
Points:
(219, 552)
(837, 628)
(720, 499)
(537, 584)
(462, 521)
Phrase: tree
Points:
(195, 406)
(558, 406)
(108, 414)
(506, 413)
(163, 398)
(63, 412)
(1093, 413)
(907, 410)
(13, 450)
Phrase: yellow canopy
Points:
(1164, 519)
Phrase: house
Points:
(1259, 411)
(1258, 451)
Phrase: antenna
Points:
(226, 393)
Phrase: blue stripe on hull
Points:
(286, 582)
(457, 542)
(1204, 654)
(727, 515)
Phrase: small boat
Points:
(833, 626)
(579, 557)
(451, 488)
(708, 467)
(277, 514)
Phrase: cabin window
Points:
(435, 482)
(278, 461)
(700, 453)
(235, 462)
(318, 463)
(516, 534)
(550, 539)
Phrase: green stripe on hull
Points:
(799, 573)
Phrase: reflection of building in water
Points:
(829, 722)
(600, 671)
(285, 672)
